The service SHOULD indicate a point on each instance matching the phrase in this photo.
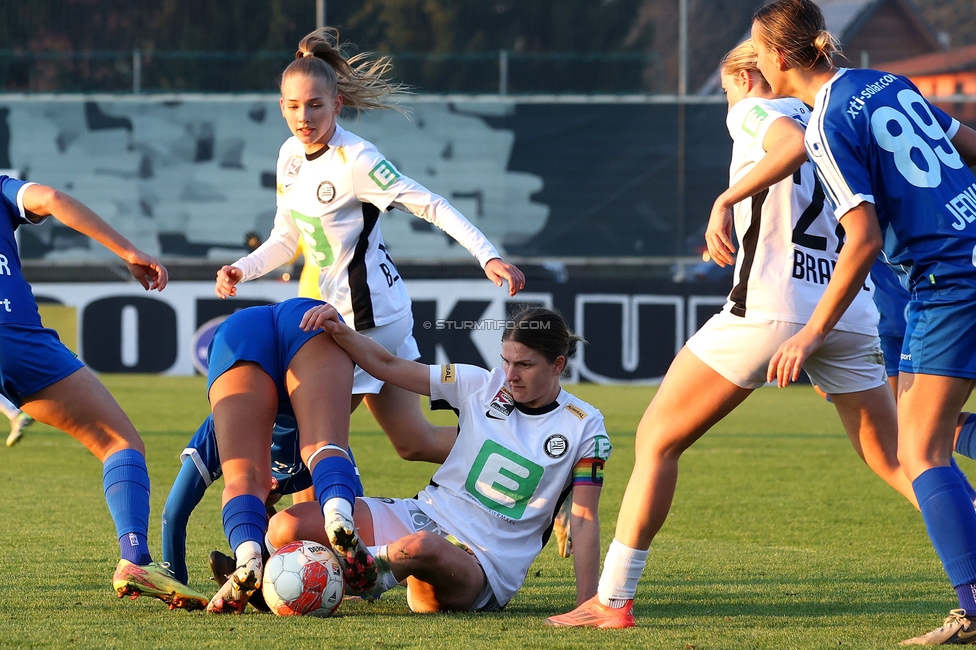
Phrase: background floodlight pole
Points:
(679, 221)
(319, 14)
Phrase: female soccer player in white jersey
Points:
(895, 170)
(788, 243)
(332, 187)
(466, 541)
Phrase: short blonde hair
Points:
(797, 30)
(363, 83)
(741, 58)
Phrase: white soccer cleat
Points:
(358, 566)
(17, 426)
(233, 595)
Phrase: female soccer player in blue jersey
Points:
(894, 168)
(262, 365)
(41, 376)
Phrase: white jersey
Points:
(333, 199)
(498, 489)
(788, 236)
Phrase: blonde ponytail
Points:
(363, 82)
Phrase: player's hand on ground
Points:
(324, 317)
(147, 270)
(227, 278)
(499, 270)
(718, 234)
(786, 364)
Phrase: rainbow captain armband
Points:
(589, 471)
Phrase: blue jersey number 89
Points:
(906, 141)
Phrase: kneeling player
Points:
(466, 542)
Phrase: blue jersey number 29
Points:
(895, 133)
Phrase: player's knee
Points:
(422, 547)
(283, 528)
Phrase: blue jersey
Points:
(891, 298)
(873, 138)
(17, 303)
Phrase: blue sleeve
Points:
(184, 496)
(9, 191)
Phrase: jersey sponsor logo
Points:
(341, 152)
(493, 416)
(857, 103)
(503, 402)
(602, 448)
(962, 207)
(326, 192)
(384, 174)
(753, 119)
(575, 410)
(503, 481)
(279, 189)
(448, 374)
(556, 445)
(315, 238)
(294, 164)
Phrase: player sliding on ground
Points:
(332, 188)
(789, 242)
(48, 382)
(466, 542)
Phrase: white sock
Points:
(337, 504)
(622, 569)
(268, 545)
(385, 580)
(8, 408)
(246, 551)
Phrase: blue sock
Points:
(245, 520)
(334, 476)
(966, 443)
(126, 482)
(951, 524)
(965, 482)
(967, 598)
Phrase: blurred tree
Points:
(956, 18)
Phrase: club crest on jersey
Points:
(326, 192)
(294, 164)
(503, 402)
(556, 445)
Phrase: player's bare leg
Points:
(83, 408)
(928, 412)
(399, 414)
(244, 401)
(441, 576)
(666, 430)
(870, 419)
(319, 382)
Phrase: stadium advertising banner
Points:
(633, 329)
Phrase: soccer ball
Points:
(303, 579)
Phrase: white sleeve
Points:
(453, 383)
(377, 181)
(279, 249)
(433, 208)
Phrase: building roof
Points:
(961, 59)
(844, 19)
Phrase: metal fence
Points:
(500, 72)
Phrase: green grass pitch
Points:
(779, 538)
